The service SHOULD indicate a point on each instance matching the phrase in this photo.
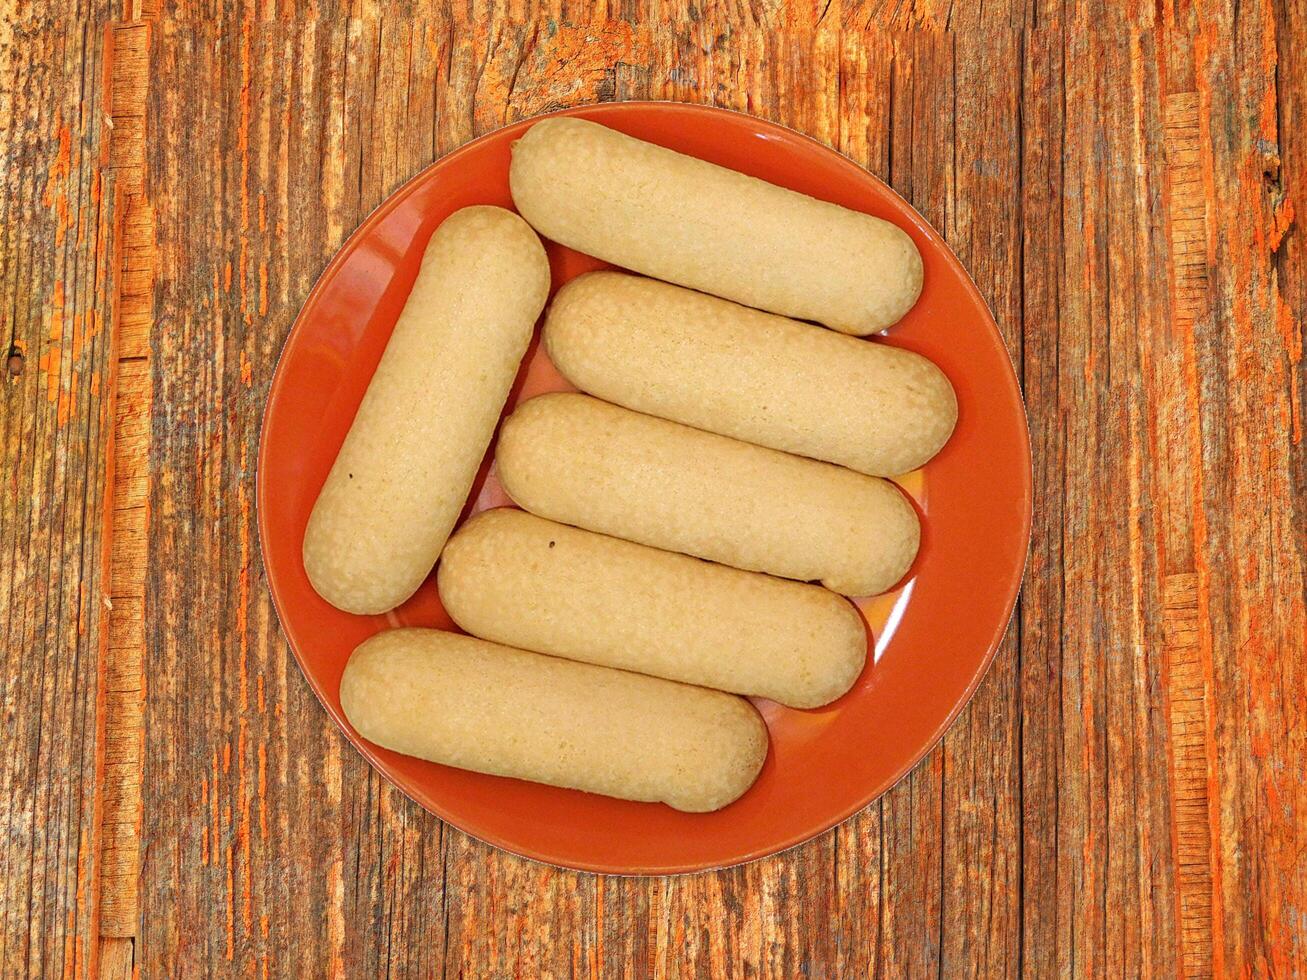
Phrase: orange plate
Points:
(935, 635)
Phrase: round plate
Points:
(934, 636)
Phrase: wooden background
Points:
(1124, 796)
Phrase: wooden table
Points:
(1124, 796)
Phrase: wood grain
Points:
(1124, 793)
(58, 252)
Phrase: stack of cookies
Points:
(692, 519)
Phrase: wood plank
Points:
(1176, 442)
(58, 252)
(1279, 710)
(1251, 565)
(1096, 789)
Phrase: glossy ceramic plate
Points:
(934, 636)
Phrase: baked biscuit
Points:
(575, 459)
(464, 702)
(408, 462)
(527, 582)
(687, 221)
(754, 376)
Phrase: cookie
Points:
(407, 464)
(758, 377)
(527, 582)
(675, 217)
(580, 461)
(475, 705)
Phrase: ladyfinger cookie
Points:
(475, 705)
(762, 378)
(575, 459)
(408, 462)
(527, 582)
(682, 219)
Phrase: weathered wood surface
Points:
(1124, 795)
